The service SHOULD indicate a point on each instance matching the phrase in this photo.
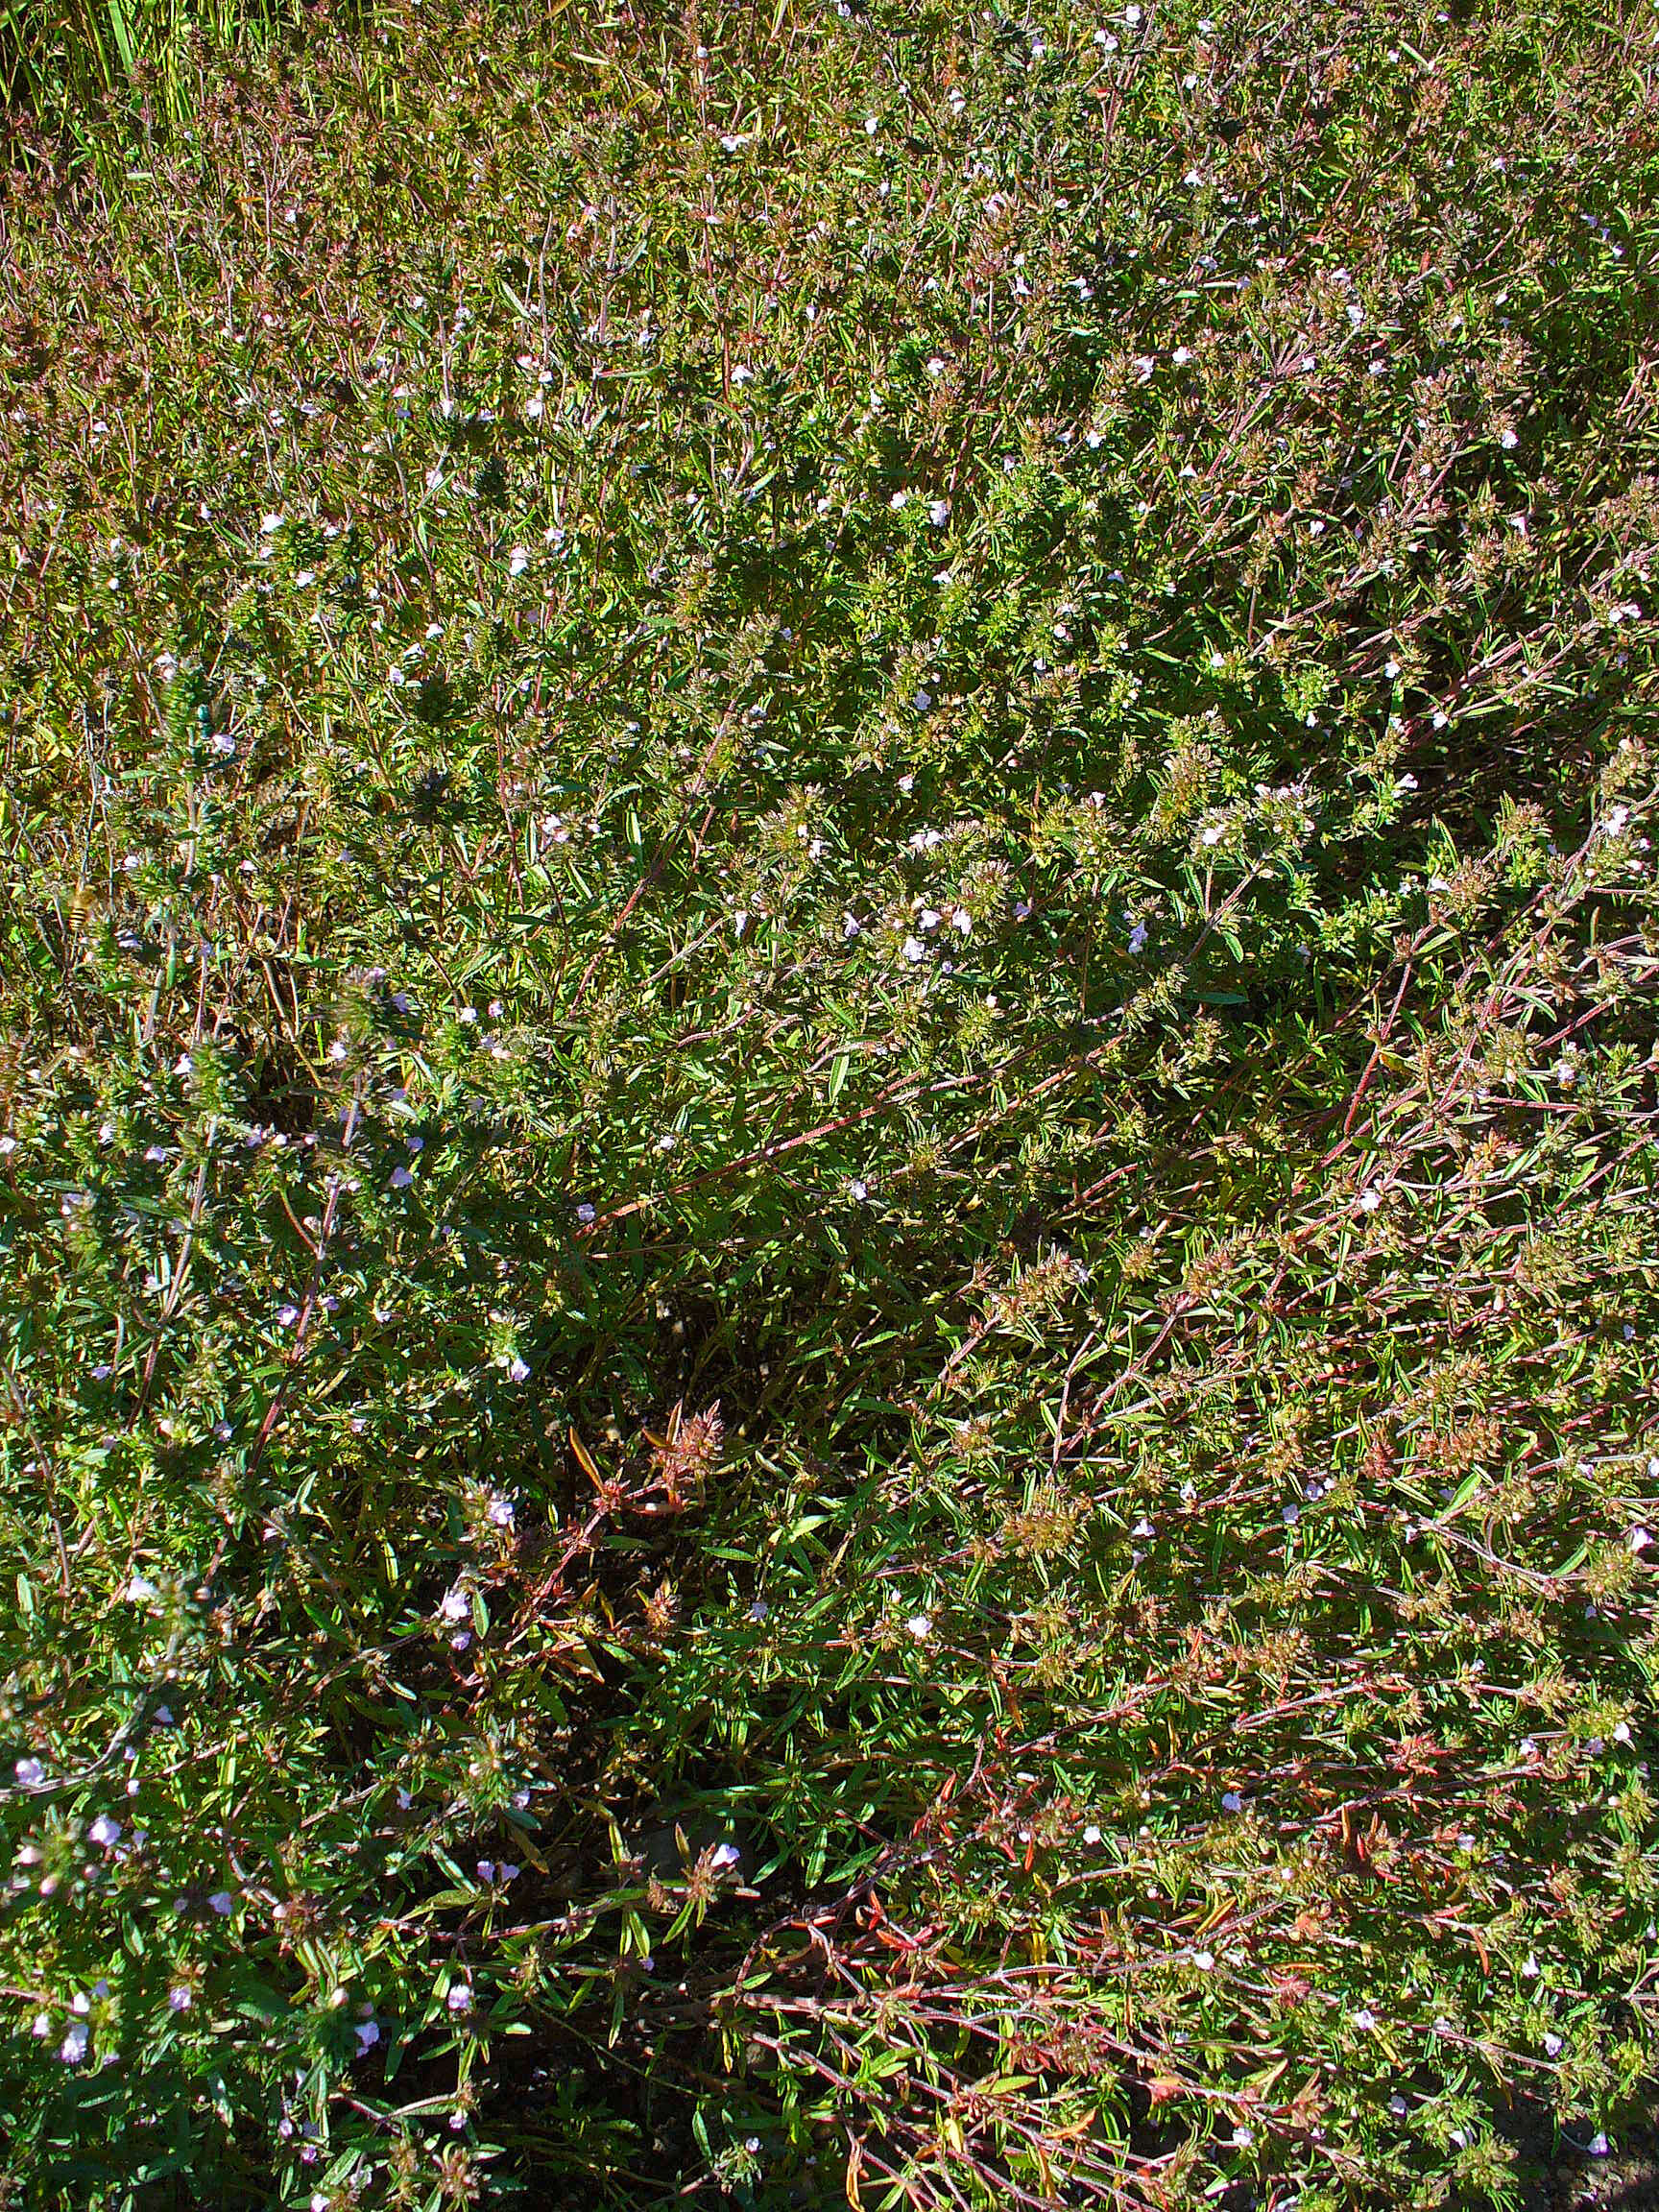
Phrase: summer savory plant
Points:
(828, 1110)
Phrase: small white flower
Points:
(1204, 1960)
(1508, 441)
(1244, 2138)
(517, 560)
(1370, 1200)
(105, 1832)
(919, 1625)
(1092, 1833)
(939, 513)
(73, 2048)
(517, 1369)
(857, 1189)
(140, 1590)
(459, 1998)
(1553, 2045)
(667, 1141)
(1365, 2019)
(1639, 1539)
(270, 525)
(871, 124)
(455, 1606)
(914, 949)
(724, 1855)
(1529, 1967)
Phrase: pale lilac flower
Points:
(914, 949)
(919, 1625)
(222, 1903)
(30, 1773)
(502, 1510)
(73, 2048)
(458, 1997)
(724, 1855)
(1231, 1801)
(178, 1998)
(105, 1832)
(587, 1214)
(455, 1606)
(517, 1371)
(401, 1179)
(517, 560)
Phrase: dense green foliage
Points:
(59, 58)
(828, 1093)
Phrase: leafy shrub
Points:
(828, 1115)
